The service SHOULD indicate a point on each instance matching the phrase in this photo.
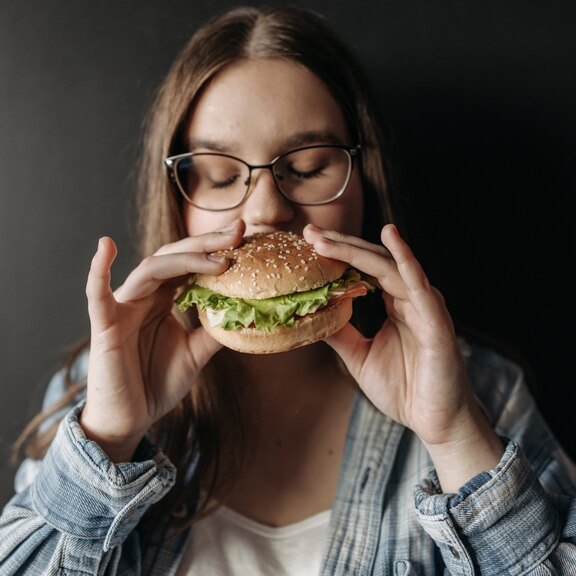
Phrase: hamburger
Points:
(277, 294)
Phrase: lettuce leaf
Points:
(264, 314)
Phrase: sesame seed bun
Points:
(276, 264)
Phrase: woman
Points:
(182, 457)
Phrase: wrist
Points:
(473, 447)
(118, 448)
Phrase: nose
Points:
(265, 206)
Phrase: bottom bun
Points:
(305, 330)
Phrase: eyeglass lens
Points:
(307, 176)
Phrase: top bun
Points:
(275, 264)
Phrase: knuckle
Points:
(148, 262)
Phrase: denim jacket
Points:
(76, 513)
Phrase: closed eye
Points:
(230, 181)
(308, 174)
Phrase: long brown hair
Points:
(192, 433)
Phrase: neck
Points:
(295, 410)
(293, 397)
(303, 376)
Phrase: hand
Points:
(142, 359)
(412, 370)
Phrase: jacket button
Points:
(454, 552)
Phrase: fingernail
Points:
(218, 258)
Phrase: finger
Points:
(101, 302)
(351, 346)
(220, 239)
(203, 347)
(154, 271)
(408, 266)
(424, 299)
(372, 259)
(314, 233)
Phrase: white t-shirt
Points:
(229, 544)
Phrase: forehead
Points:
(268, 101)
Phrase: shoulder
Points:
(493, 376)
(500, 386)
(64, 391)
(57, 396)
(58, 385)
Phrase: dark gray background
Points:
(479, 95)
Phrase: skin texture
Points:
(142, 360)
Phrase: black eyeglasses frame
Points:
(171, 164)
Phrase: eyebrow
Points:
(294, 141)
(313, 137)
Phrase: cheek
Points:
(354, 217)
(202, 221)
(344, 215)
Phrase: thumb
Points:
(352, 346)
(101, 302)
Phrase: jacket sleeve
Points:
(79, 513)
(518, 518)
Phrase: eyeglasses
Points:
(309, 176)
